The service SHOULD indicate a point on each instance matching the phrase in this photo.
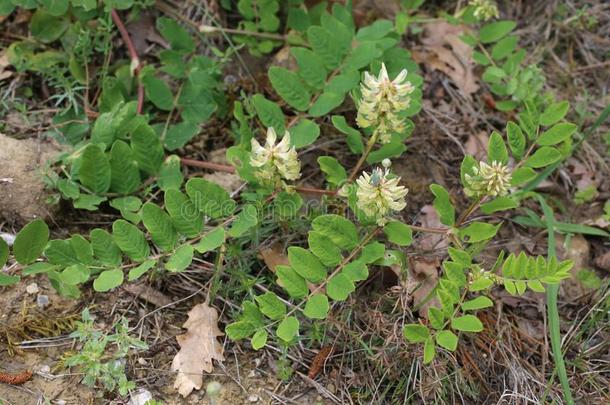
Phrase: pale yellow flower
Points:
(382, 101)
(484, 9)
(379, 194)
(492, 180)
(271, 160)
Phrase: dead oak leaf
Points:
(198, 347)
(443, 50)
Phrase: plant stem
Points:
(551, 303)
(365, 154)
(208, 29)
(136, 66)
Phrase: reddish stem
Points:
(219, 167)
(133, 54)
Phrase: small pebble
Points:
(253, 398)
(42, 300)
(32, 289)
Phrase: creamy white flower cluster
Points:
(275, 162)
(382, 101)
(379, 194)
(488, 180)
(484, 9)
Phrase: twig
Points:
(136, 66)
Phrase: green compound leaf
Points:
(246, 219)
(288, 329)
(442, 204)
(271, 306)
(211, 240)
(416, 333)
(181, 259)
(124, 171)
(31, 241)
(147, 149)
(108, 279)
(185, 217)
(209, 198)
(447, 339)
(288, 85)
(306, 264)
(159, 224)
(341, 231)
(554, 113)
(292, 282)
(130, 240)
(4, 251)
(94, 172)
(316, 307)
(398, 233)
(259, 339)
(340, 287)
(104, 248)
(467, 323)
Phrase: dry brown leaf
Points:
(429, 218)
(577, 250)
(444, 50)
(4, 63)
(423, 278)
(198, 347)
(603, 261)
(476, 145)
(274, 256)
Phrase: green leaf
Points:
(398, 233)
(88, 202)
(324, 248)
(442, 204)
(47, 28)
(328, 101)
(304, 133)
(240, 330)
(4, 251)
(269, 113)
(429, 350)
(467, 323)
(354, 139)
(139, 270)
(6, 280)
(372, 252)
(447, 339)
(499, 204)
(554, 113)
(516, 140)
(211, 240)
(325, 45)
(557, 133)
(147, 149)
(158, 92)
(415, 333)
(180, 134)
(104, 248)
(522, 175)
(288, 85)
(170, 175)
(74, 275)
(246, 219)
(335, 173)
(316, 307)
(259, 339)
(61, 252)
(306, 264)
(130, 240)
(94, 172)
(504, 47)
(178, 37)
(288, 329)
(209, 198)
(479, 231)
(339, 287)
(31, 241)
(341, 231)
(436, 317)
(271, 306)
(181, 259)
(356, 271)
(186, 218)
(477, 303)
(293, 283)
(55, 7)
(159, 224)
(375, 31)
(543, 157)
(495, 31)
(108, 279)
(124, 172)
(311, 67)
(496, 149)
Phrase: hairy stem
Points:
(365, 154)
